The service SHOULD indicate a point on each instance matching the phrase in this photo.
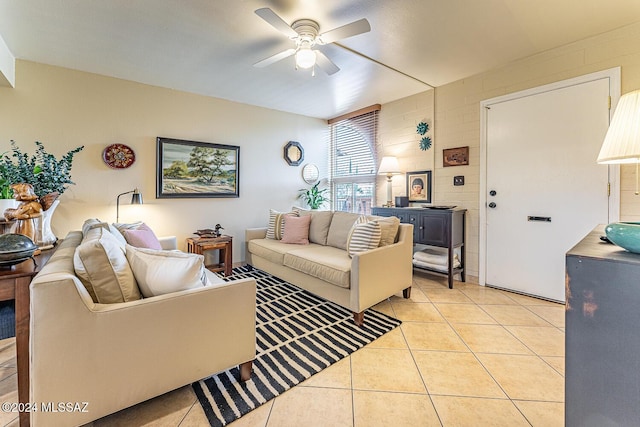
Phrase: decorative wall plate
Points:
(118, 156)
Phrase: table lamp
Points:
(136, 199)
(622, 145)
(389, 166)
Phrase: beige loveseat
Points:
(324, 267)
(113, 356)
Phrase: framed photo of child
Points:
(419, 186)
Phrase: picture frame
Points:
(455, 156)
(414, 179)
(193, 169)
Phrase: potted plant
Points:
(314, 197)
(49, 177)
(6, 193)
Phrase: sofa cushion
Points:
(327, 263)
(276, 224)
(271, 250)
(363, 237)
(101, 265)
(163, 272)
(89, 224)
(296, 230)
(319, 227)
(340, 227)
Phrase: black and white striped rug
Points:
(297, 335)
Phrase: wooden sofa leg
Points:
(358, 318)
(406, 292)
(245, 370)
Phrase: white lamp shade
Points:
(389, 166)
(622, 142)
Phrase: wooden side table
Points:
(224, 245)
(14, 285)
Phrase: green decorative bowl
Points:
(625, 234)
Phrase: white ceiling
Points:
(208, 46)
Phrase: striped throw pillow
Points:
(363, 237)
(276, 224)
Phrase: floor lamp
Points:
(622, 145)
(389, 166)
(136, 199)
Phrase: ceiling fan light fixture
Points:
(305, 57)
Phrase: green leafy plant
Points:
(314, 197)
(42, 170)
(5, 186)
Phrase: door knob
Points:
(492, 205)
(492, 193)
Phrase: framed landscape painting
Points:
(187, 169)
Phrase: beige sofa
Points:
(324, 267)
(113, 356)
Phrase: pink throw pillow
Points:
(142, 237)
(296, 229)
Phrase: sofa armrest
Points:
(129, 352)
(168, 243)
(251, 234)
(255, 233)
(384, 271)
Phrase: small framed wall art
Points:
(455, 156)
(186, 169)
(419, 186)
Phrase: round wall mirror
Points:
(293, 153)
(310, 173)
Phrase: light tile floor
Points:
(470, 356)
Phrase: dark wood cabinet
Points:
(602, 339)
(443, 228)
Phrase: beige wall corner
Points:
(7, 66)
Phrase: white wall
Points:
(7, 65)
(397, 137)
(64, 109)
(458, 114)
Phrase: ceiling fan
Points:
(304, 33)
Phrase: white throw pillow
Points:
(363, 237)
(164, 272)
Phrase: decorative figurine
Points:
(208, 232)
(26, 212)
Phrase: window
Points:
(353, 161)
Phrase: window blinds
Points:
(353, 160)
(353, 146)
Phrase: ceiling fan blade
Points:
(353, 29)
(325, 63)
(275, 58)
(276, 22)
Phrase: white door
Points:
(545, 190)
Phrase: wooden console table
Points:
(14, 285)
(443, 228)
(224, 245)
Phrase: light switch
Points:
(458, 180)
